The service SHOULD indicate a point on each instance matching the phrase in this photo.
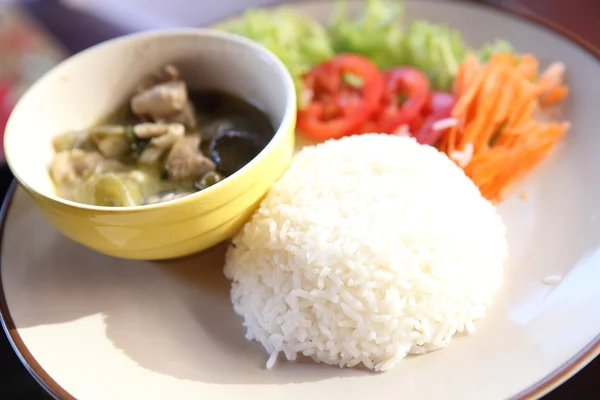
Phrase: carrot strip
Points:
(479, 106)
(452, 139)
(469, 95)
(507, 94)
(528, 66)
(549, 79)
(466, 72)
(503, 58)
(555, 95)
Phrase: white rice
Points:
(369, 248)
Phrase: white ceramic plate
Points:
(93, 327)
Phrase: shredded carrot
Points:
(554, 95)
(495, 108)
(528, 66)
(550, 78)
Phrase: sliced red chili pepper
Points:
(340, 106)
(406, 93)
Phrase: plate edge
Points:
(17, 344)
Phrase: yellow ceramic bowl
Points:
(87, 87)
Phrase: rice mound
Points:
(368, 248)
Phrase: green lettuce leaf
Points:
(375, 34)
(297, 40)
(378, 34)
(435, 49)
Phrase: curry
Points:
(166, 143)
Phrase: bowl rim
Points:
(281, 129)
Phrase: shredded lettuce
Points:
(297, 40)
(375, 34)
(435, 49)
(490, 48)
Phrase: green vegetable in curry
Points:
(111, 190)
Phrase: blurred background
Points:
(37, 34)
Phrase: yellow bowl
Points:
(87, 87)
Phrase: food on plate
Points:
(376, 34)
(296, 39)
(343, 93)
(404, 98)
(495, 120)
(348, 94)
(369, 248)
(499, 46)
(436, 88)
(379, 33)
(166, 143)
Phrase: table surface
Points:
(79, 28)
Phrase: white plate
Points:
(93, 327)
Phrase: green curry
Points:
(164, 144)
